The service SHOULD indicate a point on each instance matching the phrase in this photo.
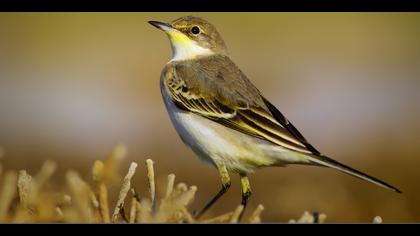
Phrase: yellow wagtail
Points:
(223, 117)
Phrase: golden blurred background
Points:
(73, 85)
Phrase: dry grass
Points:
(27, 199)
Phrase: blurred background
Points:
(73, 85)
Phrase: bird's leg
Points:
(246, 192)
(224, 175)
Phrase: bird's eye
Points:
(195, 30)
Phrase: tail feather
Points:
(328, 162)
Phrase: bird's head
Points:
(192, 37)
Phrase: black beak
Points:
(160, 25)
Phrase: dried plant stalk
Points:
(321, 218)
(101, 190)
(98, 171)
(188, 196)
(133, 208)
(124, 190)
(7, 194)
(103, 203)
(81, 196)
(308, 218)
(144, 211)
(23, 185)
(138, 209)
(89, 203)
(256, 215)
(236, 214)
(47, 170)
(188, 218)
(112, 165)
(182, 187)
(377, 220)
(151, 177)
(39, 180)
(179, 204)
(93, 199)
(173, 207)
(60, 214)
(219, 219)
(170, 185)
(44, 174)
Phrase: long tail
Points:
(328, 162)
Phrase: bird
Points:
(221, 115)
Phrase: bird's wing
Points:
(226, 96)
(289, 126)
(233, 102)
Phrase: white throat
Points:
(182, 51)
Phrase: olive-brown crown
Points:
(202, 32)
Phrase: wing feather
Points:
(230, 99)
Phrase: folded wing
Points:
(212, 99)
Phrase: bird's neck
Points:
(183, 51)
